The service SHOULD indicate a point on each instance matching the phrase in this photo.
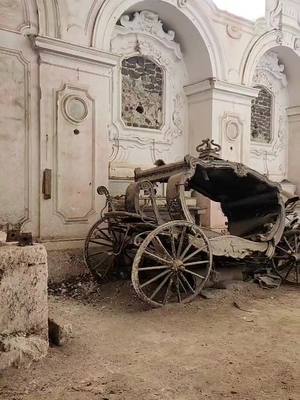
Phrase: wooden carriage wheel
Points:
(286, 260)
(172, 264)
(105, 247)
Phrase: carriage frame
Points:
(172, 258)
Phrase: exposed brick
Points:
(261, 117)
(142, 93)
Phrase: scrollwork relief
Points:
(141, 37)
(234, 31)
(270, 157)
(182, 3)
(270, 64)
(274, 13)
(148, 22)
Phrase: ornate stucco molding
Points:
(270, 64)
(233, 31)
(182, 3)
(271, 158)
(281, 13)
(142, 36)
(148, 22)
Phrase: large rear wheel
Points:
(172, 264)
(286, 260)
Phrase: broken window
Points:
(142, 93)
(261, 116)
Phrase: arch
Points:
(192, 16)
(268, 41)
(49, 18)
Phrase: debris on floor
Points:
(82, 287)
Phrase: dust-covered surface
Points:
(243, 344)
(23, 305)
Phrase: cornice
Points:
(59, 47)
(220, 86)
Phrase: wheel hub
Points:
(177, 266)
(296, 257)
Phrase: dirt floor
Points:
(244, 344)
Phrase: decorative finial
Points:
(208, 148)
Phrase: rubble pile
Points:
(82, 288)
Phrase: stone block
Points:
(59, 332)
(23, 304)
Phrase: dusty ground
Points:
(209, 349)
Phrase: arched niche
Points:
(278, 70)
(193, 55)
(285, 42)
(49, 13)
(189, 19)
(149, 106)
(269, 123)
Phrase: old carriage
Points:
(169, 255)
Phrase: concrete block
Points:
(23, 304)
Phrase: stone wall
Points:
(142, 93)
(23, 305)
(261, 117)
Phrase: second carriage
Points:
(168, 254)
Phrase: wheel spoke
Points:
(105, 259)
(160, 286)
(186, 251)
(171, 231)
(157, 267)
(193, 254)
(162, 247)
(282, 249)
(187, 282)
(156, 258)
(297, 273)
(182, 285)
(196, 263)
(168, 290)
(181, 241)
(100, 243)
(194, 273)
(281, 257)
(95, 254)
(108, 238)
(155, 278)
(288, 244)
(287, 274)
(178, 292)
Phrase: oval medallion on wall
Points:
(75, 109)
(232, 131)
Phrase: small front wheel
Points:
(172, 264)
(105, 247)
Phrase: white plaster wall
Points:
(19, 136)
(272, 158)
(222, 112)
(76, 151)
(294, 147)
